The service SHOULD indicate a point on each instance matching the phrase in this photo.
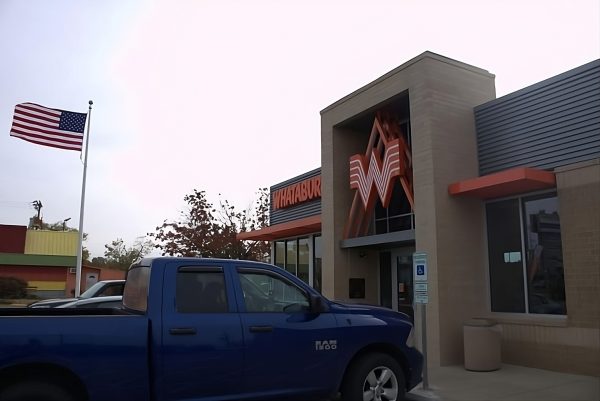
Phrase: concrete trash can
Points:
(482, 342)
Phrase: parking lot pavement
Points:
(510, 383)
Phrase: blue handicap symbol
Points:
(420, 270)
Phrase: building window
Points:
(525, 256)
(280, 254)
(294, 255)
(291, 257)
(397, 217)
(504, 238)
(303, 259)
(545, 273)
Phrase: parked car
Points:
(208, 329)
(100, 289)
(114, 301)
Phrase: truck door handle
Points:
(178, 331)
(261, 329)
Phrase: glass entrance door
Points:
(396, 279)
(403, 280)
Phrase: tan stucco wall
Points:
(442, 94)
(573, 343)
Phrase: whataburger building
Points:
(501, 194)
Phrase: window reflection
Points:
(280, 254)
(290, 260)
(267, 293)
(303, 259)
(397, 217)
(545, 274)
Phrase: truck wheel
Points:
(374, 377)
(35, 390)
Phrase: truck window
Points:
(200, 292)
(135, 294)
(110, 290)
(268, 293)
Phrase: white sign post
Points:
(421, 296)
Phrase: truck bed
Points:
(97, 346)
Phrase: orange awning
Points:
(294, 228)
(504, 183)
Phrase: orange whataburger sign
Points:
(300, 192)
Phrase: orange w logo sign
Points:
(370, 175)
(374, 174)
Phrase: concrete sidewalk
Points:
(515, 383)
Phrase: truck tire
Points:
(35, 390)
(374, 377)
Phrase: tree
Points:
(98, 261)
(12, 288)
(36, 222)
(211, 232)
(85, 253)
(119, 255)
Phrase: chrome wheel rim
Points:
(380, 384)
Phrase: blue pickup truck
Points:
(208, 329)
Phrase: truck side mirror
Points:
(316, 304)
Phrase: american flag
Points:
(49, 127)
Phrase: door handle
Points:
(261, 329)
(178, 331)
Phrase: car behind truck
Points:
(193, 328)
(103, 288)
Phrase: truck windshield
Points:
(135, 295)
(90, 292)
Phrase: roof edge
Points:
(540, 84)
(425, 55)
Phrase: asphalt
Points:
(514, 383)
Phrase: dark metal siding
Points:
(300, 211)
(550, 124)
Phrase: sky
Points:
(224, 96)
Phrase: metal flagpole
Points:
(80, 247)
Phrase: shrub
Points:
(12, 288)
